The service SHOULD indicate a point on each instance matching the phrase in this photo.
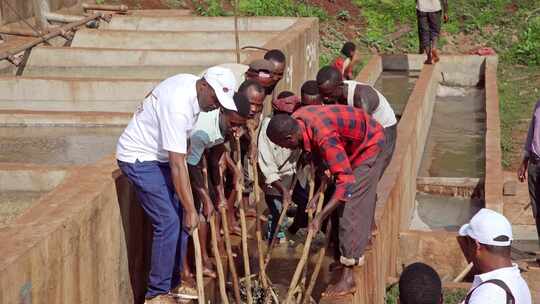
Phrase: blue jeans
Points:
(153, 184)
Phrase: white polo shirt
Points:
(493, 294)
(162, 123)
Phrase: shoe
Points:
(162, 299)
(184, 291)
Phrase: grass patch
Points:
(288, 8)
(451, 296)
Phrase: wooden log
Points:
(198, 265)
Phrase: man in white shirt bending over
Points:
(152, 154)
(486, 242)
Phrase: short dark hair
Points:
(281, 126)
(285, 94)
(348, 49)
(248, 83)
(420, 284)
(329, 74)
(275, 55)
(309, 88)
(242, 105)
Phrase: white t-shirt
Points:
(162, 123)
(428, 6)
(493, 294)
(206, 134)
(384, 114)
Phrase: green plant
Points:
(527, 50)
(281, 8)
(343, 15)
(100, 2)
(210, 8)
(451, 296)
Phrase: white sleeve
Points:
(488, 294)
(266, 160)
(174, 126)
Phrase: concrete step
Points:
(65, 94)
(167, 23)
(99, 57)
(118, 72)
(160, 12)
(166, 40)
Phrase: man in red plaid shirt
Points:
(349, 141)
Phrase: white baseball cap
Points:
(223, 82)
(489, 228)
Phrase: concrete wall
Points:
(141, 23)
(27, 8)
(167, 40)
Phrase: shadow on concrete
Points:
(138, 237)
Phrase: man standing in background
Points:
(531, 164)
(428, 13)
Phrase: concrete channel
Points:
(78, 235)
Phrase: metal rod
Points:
(54, 33)
(103, 7)
(236, 36)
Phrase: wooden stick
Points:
(273, 241)
(219, 265)
(318, 265)
(258, 233)
(310, 218)
(230, 258)
(215, 248)
(245, 252)
(463, 273)
(305, 252)
(198, 265)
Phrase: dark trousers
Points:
(274, 203)
(356, 215)
(429, 28)
(534, 191)
(153, 184)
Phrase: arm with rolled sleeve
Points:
(266, 160)
(338, 162)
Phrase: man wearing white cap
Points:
(486, 242)
(152, 154)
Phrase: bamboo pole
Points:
(305, 252)
(245, 252)
(463, 273)
(215, 248)
(198, 265)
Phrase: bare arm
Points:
(217, 155)
(182, 187)
(199, 185)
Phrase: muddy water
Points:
(57, 145)
(283, 264)
(397, 86)
(455, 144)
(442, 212)
(13, 203)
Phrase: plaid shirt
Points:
(343, 137)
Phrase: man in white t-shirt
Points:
(152, 154)
(334, 89)
(486, 242)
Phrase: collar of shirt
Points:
(306, 134)
(500, 273)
